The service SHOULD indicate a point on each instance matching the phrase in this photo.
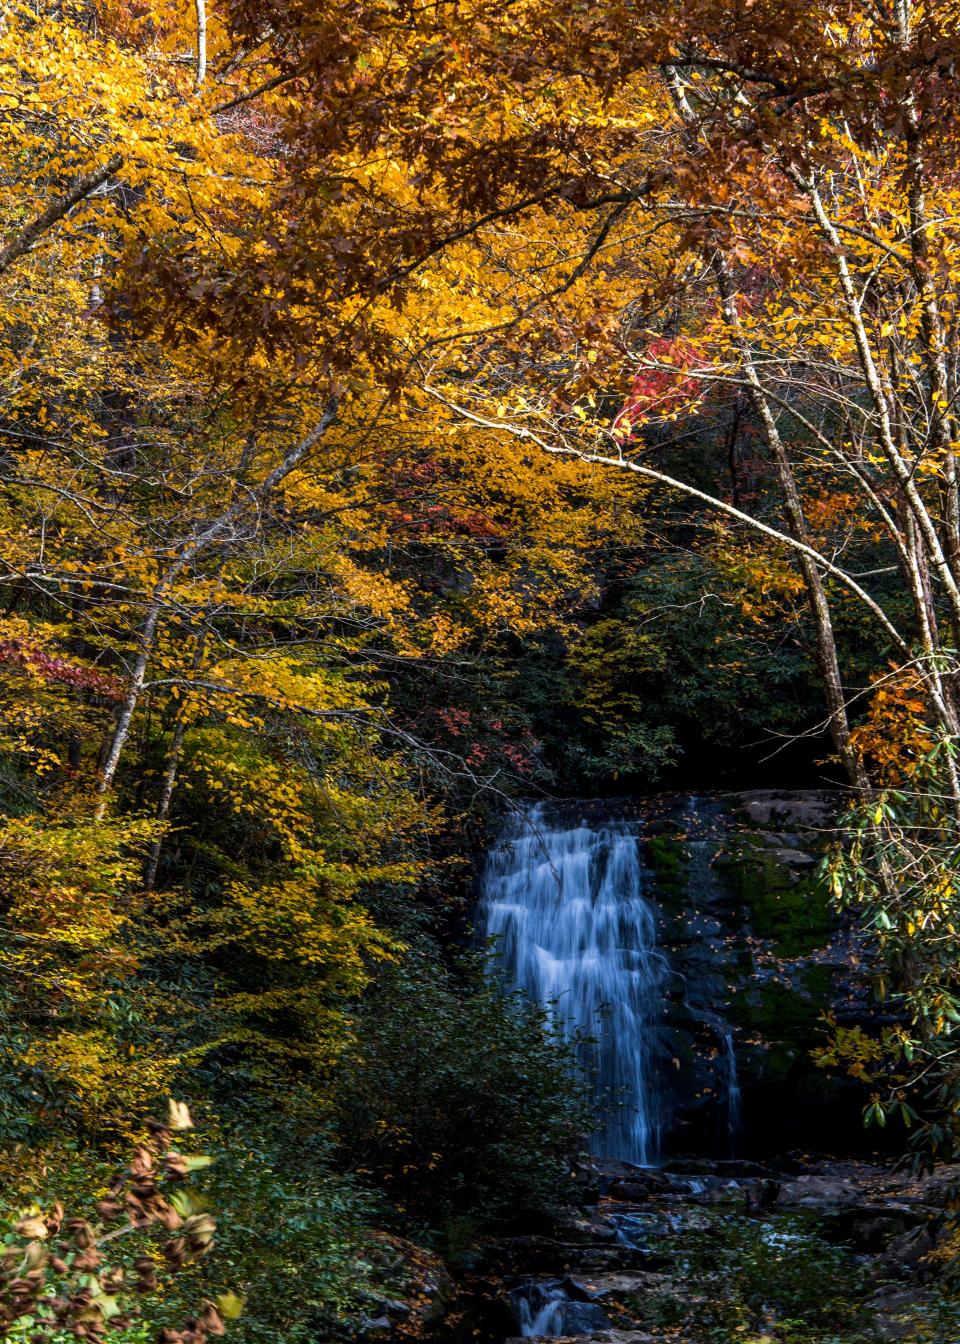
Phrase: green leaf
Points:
(183, 1203)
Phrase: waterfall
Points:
(572, 929)
(729, 1090)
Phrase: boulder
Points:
(909, 1249)
(871, 1228)
(634, 1192)
(817, 1192)
(800, 808)
(617, 1285)
(376, 1327)
(736, 1168)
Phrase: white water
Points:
(730, 1089)
(544, 1309)
(541, 1313)
(565, 905)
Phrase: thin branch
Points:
(627, 464)
(56, 210)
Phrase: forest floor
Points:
(801, 1251)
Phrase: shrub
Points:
(67, 1277)
(459, 1100)
(291, 1242)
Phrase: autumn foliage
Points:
(387, 394)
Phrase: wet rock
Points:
(551, 1307)
(594, 1230)
(817, 1192)
(596, 1258)
(641, 1229)
(720, 1166)
(610, 1168)
(870, 1228)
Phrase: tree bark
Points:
(200, 70)
(169, 780)
(56, 210)
(189, 551)
(901, 469)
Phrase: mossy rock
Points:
(792, 1011)
(790, 910)
(788, 1018)
(669, 860)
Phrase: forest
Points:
(480, 671)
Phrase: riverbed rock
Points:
(878, 1220)
(558, 1305)
(632, 1191)
(601, 1337)
(715, 1166)
(618, 1285)
(827, 1193)
(871, 1228)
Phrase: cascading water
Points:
(572, 929)
(544, 1308)
(730, 1089)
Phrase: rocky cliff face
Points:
(758, 958)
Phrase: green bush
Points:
(460, 1102)
(292, 1241)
